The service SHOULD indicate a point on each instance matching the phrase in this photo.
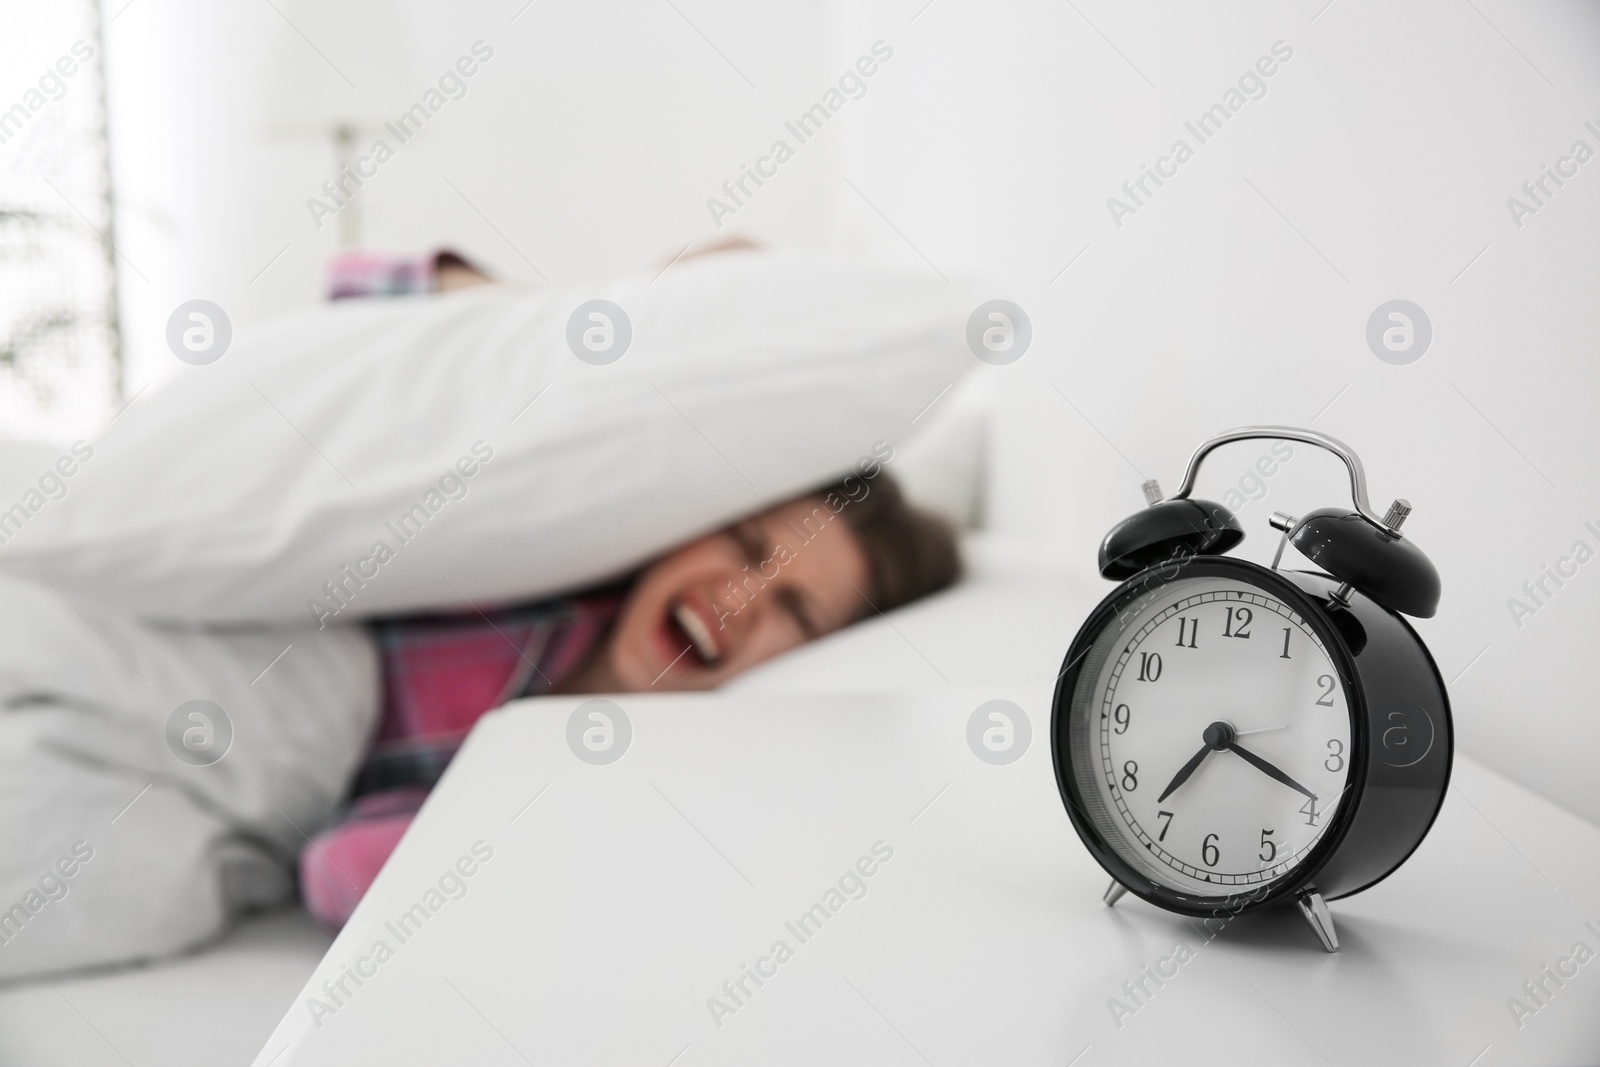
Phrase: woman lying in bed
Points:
(115, 851)
(691, 620)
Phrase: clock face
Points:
(1211, 736)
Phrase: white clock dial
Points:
(1219, 737)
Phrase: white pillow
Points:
(942, 466)
(261, 487)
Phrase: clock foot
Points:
(1315, 911)
(1114, 893)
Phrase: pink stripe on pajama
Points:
(440, 675)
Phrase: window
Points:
(59, 361)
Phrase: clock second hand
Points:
(1262, 730)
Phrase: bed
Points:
(1007, 619)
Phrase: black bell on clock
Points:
(1373, 559)
(1228, 736)
(1165, 529)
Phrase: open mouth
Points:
(694, 630)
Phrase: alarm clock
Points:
(1229, 737)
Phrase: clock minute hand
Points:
(1268, 769)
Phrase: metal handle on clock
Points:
(1358, 475)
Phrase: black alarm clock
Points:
(1228, 736)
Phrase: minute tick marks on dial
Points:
(1148, 716)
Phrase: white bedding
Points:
(210, 1009)
(1009, 621)
(155, 781)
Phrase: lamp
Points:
(339, 67)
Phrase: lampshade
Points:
(339, 63)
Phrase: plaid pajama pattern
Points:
(362, 273)
(440, 675)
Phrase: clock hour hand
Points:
(1185, 771)
(1218, 736)
(1268, 769)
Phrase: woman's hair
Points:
(910, 552)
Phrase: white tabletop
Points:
(620, 898)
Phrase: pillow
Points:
(942, 466)
(420, 453)
(22, 465)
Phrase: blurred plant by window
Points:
(60, 369)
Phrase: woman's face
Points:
(724, 603)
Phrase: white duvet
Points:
(115, 848)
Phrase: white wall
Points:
(590, 142)
(989, 145)
(1390, 141)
